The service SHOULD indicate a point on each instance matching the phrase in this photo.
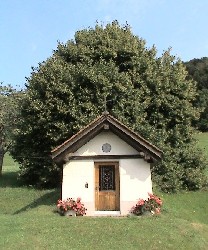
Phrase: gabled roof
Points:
(101, 123)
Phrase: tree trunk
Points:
(2, 152)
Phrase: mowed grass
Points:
(203, 142)
(28, 220)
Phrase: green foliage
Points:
(198, 71)
(150, 95)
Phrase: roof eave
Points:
(98, 125)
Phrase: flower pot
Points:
(147, 213)
(70, 213)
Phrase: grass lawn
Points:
(203, 142)
(29, 221)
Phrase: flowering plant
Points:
(152, 204)
(70, 204)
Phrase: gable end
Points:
(104, 123)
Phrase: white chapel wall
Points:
(94, 147)
(135, 176)
(76, 174)
(135, 182)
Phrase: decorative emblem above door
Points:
(106, 148)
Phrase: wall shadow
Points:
(9, 179)
(47, 199)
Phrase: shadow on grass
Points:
(47, 199)
(9, 179)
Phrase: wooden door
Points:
(107, 186)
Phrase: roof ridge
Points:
(96, 125)
(135, 133)
(79, 132)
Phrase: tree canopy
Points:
(149, 94)
(198, 71)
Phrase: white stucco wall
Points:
(135, 182)
(135, 177)
(75, 175)
(94, 147)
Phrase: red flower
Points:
(152, 204)
(140, 202)
(157, 210)
(79, 205)
(78, 199)
(71, 204)
(151, 196)
(158, 201)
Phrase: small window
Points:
(107, 177)
(106, 148)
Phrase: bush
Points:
(70, 204)
(151, 205)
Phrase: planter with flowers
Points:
(147, 207)
(71, 207)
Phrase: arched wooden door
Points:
(107, 186)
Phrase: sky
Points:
(30, 29)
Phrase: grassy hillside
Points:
(203, 142)
(29, 221)
(9, 162)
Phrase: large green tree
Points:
(198, 71)
(151, 95)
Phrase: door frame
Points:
(117, 183)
